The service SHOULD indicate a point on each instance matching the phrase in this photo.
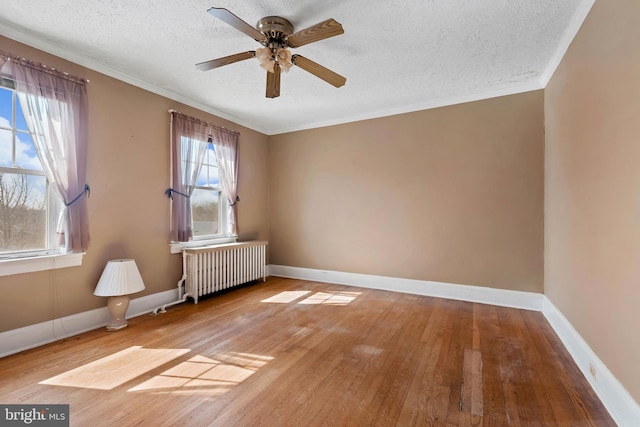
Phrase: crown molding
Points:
(504, 90)
(574, 26)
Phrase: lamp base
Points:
(118, 306)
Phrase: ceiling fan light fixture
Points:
(264, 57)
(267, 58)
(283, 56)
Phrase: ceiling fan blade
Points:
(237, 23)
(318, 70)
(320, 31)
(215, 63)
(273, 82)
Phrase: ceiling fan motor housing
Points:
(276, 29)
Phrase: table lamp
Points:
(119, 279)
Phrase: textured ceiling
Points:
(397, 56)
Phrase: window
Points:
(208, 217)
(201, 188)
(43, 137)
(28, 211)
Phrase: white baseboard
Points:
(39, 334)
(479, 294)
(623, 408)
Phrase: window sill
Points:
(9, 267)
(177, 247)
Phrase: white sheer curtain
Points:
(225, 145)
(55, 109)
(188, 145)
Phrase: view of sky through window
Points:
(209, 173)
(24, 154)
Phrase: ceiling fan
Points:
(276, 35)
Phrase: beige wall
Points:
(452, 194)
(128, 170)
(592, 187)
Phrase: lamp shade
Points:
(120, 277)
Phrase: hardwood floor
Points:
(294, 353)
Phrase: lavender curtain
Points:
(225, 144)
(188, 145)
(55, 109)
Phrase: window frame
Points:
(223, 211)
(224, 235)
(50, 204)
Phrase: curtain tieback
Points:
(169, 192)
(86, 190)
(236, 201)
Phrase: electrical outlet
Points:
(592, 370)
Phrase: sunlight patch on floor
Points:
(116, 369)
(331, 298)
(328, 297)
(203, 375)
(286, 297)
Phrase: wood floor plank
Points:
(460, 334)
(492, 348)
(289, 353)
(471, 399)
(523, 377)
(428, 400)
